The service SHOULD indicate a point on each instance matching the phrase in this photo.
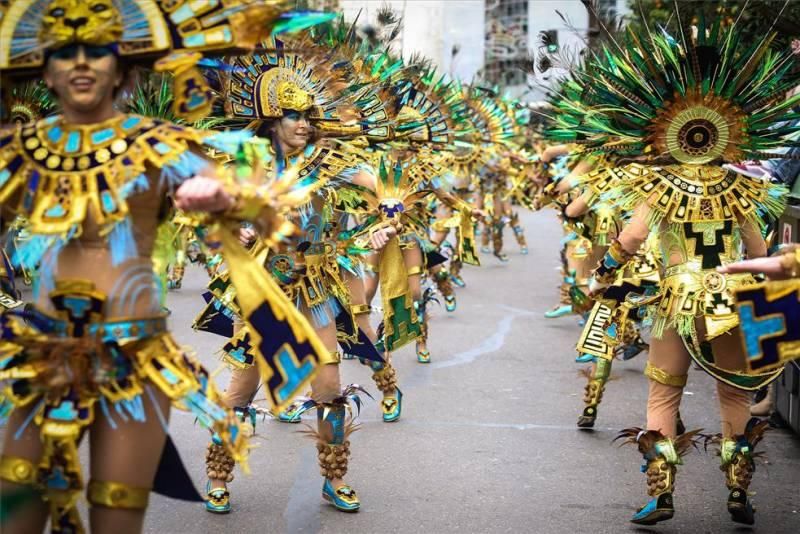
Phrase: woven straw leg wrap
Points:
(386, 379)
(117, 495)
(593, 392)
(563, 293)
(333, 459)
(219, 463)
(443, 283)
(497, 239)
(455, 265)
(660, 477)
(739, 471)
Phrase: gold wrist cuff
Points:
(17, 470)
(117, 495)
(361, 309)
(662, 377)
(791, 263)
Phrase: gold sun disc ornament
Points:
(698, 130)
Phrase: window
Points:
(506, 40)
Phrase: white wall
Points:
(432, 27)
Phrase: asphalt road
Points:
(487, 441)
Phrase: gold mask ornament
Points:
(93, 22)
(292, 97)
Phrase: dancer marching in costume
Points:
(281, 94)
(94, 353)
(680, 108)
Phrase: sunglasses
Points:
(71, 52)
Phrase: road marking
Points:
(489, 345)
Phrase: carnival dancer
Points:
(282, 94)
(93, 352)
(679, 108)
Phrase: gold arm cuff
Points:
(117, 495)
(417, 269)
(361, 309)
(662, 377)
(17, 470)
(333, 358)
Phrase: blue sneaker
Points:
(424, 356)
(457, 280)
(343, 498)
(658, 509)
(585, 358)
(219, 500)
(559, 311)
(291, 414)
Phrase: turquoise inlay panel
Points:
(195, 41)
(169, 375)
(163, 148)
(56, 211)
(65, 412)
(101, 136)
(237, 354)
(611, 331)
(54, 134)
(131, 122)
(107, 200)
(77, 305)
(183, 13)
(5, 174)
(73, 142)
(57, 480)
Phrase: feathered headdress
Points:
(27, 102)
(705, 97)
(172, 36)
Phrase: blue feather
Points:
(122, 242)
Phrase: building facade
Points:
(490, 41)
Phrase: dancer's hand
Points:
(379, 238)
(774, 267)
(596, 288)
(247, 236)
(202, 193)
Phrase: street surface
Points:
(487, 441)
